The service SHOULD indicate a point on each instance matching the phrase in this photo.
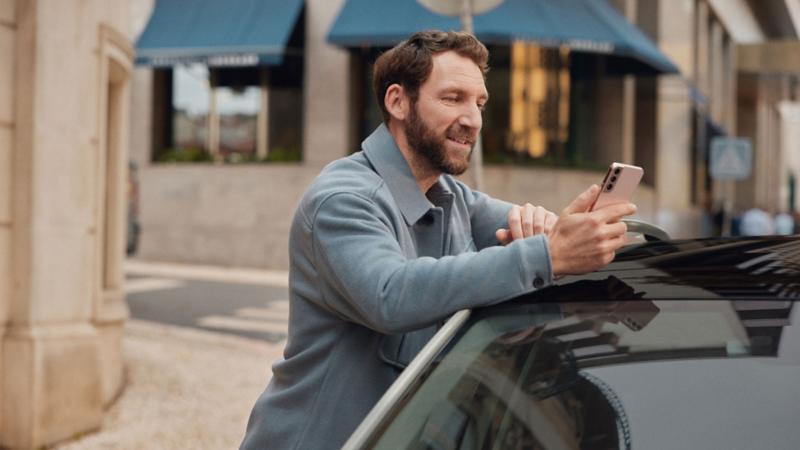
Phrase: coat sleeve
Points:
(366, 279)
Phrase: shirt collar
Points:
(385, 156)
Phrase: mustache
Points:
(460, 133)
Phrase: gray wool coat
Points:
(374, 269)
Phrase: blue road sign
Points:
(731, 158)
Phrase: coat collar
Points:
(385, 156)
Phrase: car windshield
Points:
(607, 375)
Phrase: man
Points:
(385, 245)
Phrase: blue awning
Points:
(231, 33)
(591, 26)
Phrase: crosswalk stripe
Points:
(233, 323)
(263, 313)
(278, 305)
(208, 273)
(134, 285)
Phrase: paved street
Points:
(193, 369)
(245, 302)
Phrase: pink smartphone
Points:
(618, 186)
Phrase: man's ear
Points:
(397, 102)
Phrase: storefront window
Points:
(238, 100)
(230, 115)
(191, 94)
(238, 114)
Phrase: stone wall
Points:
(240, 215)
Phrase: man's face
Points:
(443, 124)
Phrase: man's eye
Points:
(450, 99)
(481, 106)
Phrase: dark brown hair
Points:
(410, 62)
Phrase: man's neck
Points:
(425, 175)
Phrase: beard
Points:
(431, 146)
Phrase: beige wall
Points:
(7, 67)
(673, 162)
(790, 149)
(141, 135)
(326, 107)
(57, 369)
(226, 215)
(769, 174)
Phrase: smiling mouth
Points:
(459, 141)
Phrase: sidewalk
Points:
(185, 388)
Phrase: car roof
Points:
(763, 269)
(754, 268)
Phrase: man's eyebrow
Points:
(461, 91)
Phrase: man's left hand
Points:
(525, 221)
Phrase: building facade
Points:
(545, 139)
(64, 114)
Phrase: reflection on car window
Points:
(522, 380)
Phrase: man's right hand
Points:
(582, 242)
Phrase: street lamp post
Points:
(465, 9)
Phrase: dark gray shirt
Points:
(374, 268)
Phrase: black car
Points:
(687, 344)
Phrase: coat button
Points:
(427, 219)
(538, 282)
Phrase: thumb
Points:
(503, 235)
(583, 202)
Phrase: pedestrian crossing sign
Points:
(731, 158)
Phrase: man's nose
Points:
(471, 118)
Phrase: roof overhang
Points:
(233, 33)
(588, 26)
(772, 57)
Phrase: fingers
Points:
(615, 213)
(528, 220)
(549, 220)
(615, 229)
(582, 202)
(515, 222)
(536, 215)
(615, 243)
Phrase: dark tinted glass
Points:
(664, 374)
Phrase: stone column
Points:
(8, 33)
(326, 96)
(61, 354)
(673, 164)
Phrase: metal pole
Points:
(727, 209)
(476, 163)
(466, 16)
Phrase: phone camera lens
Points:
(616, 171)
(609, 186)
(613, 179)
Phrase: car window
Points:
(604, 375)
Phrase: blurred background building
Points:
(267, 92)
